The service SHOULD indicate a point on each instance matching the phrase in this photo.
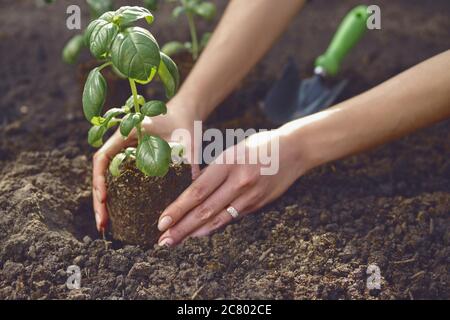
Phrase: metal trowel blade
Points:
(280, 102)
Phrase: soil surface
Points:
(389, 207)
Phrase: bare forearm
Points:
(245, 33)
(412, 100)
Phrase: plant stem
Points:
(136, 107)
(194, 37)
(106, 64)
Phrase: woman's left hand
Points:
(202, 207)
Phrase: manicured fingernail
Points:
(164, 223)
(97, 195)
(166, 242)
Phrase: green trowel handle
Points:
(348, 34)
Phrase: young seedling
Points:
(77, 43)
(192, 9)
(134, 52)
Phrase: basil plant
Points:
(191, 9)
(134, 53)
(73, 47)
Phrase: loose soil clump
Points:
(135, 201)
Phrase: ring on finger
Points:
(233, 212)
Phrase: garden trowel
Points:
(291, 98)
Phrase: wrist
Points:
(292, 151)
(193, 103)
(186, 106)
(303, 141)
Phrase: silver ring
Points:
(233, 212)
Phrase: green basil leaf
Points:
(154, 108)
(129, 122)
(107, 16)
(99, 7)
(137, 118)
(113, 112)
(190, 4)
(95, 136)
(177, 11)
(114, 166)
(206, 10)
(90, 28)
(177, 149)
(188, 46)
(101, 38)
(113, 122)
(127, 14)
(172, 48)
(97, 121)
(126, 125)
(136, 54)
(130, 152)
(94, 94)
(177, 152)
(168, 73)
(153, 156)
(110, 115)
(130, 101)
(72, 49)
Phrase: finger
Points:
(195, 194)
(100, 164)
(101, 215)
(201, 214)
(224, 218)
(195, 170)
(217, 222)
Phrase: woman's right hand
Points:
(178, 117)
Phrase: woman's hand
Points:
(179, 116)
(414, 99)
(201, 209)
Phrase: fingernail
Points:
(164, 223)
(166, 242)
(97, 220)
(97, 195)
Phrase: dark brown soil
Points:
(136, 201)
(389, 207)
(184, 63)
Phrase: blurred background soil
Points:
(388, 207)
